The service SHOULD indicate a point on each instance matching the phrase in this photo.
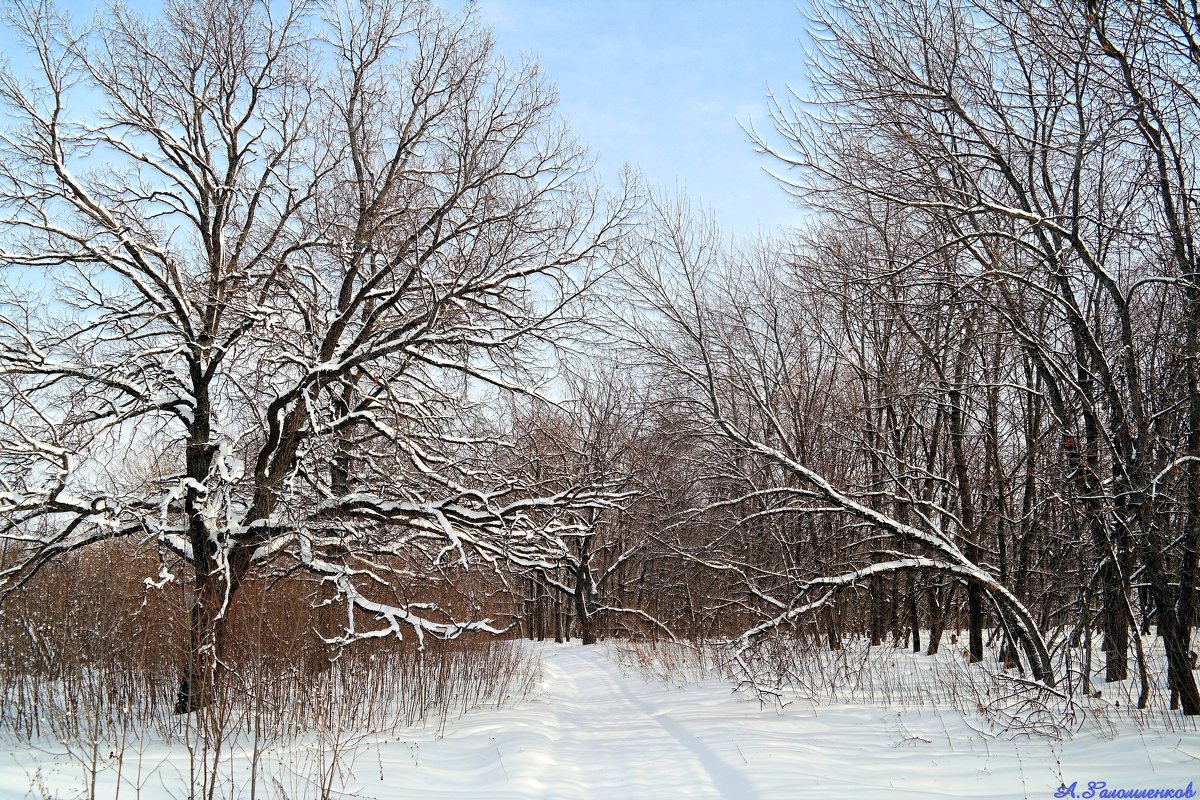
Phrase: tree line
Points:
(329, 293)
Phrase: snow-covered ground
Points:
(597, 730)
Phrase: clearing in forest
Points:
(597, 727)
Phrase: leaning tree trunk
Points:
(1025, 631)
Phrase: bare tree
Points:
(293, 258)
(605, 435)
(1045, 141)
(736, 339)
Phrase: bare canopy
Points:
(277, 259)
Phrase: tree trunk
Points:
(975, 622)
(209, 615)
(914, 620)
(875, 623)
(831, 631)
(1179, 663)
(587, 629)
(935, 621)
(1116, 624)
(560, 619)
(966, 501)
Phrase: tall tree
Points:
(1047, 140)
(290, 256)
(734, 340)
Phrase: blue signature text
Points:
(1101, 789)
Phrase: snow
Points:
(597, 729)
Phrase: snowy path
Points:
(601, 734)
(593, 732)
(620, 742)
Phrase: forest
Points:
(326, 355)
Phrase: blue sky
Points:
(659, 84)
(664, 85)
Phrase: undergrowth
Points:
(89, 667)
(996, 700)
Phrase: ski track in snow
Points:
(599, 733)
(593, 731)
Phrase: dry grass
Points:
(995, 700)
(89, 664)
